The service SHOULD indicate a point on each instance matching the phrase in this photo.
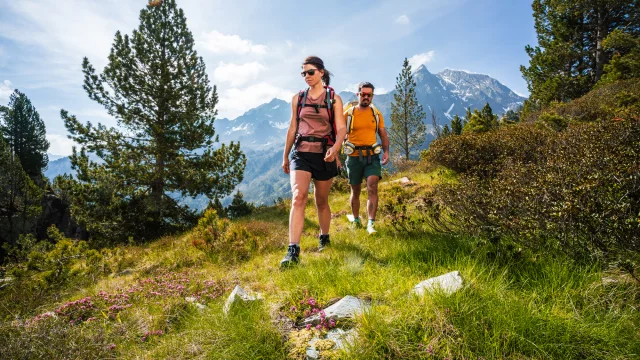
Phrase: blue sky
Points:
(253, 49)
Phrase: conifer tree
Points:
(156, 86)
(570, 56)
(408, 131)
(481, 121)
(24, 133)
(19, 198)
(239, 207)
(456, 125)
(445, 131)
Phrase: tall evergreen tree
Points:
(156, 86)
(408, 131)
(24, 132)
(445, 131)
(19, 198)
(456, 125)
(434, 123)
(625, 63)
(570, 56)
(481, 121)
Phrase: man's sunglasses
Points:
(311, 72)
(366, 95)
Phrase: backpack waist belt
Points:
(369, 152)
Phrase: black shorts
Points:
(315, 164)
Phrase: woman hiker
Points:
(316, 132)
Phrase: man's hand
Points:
(285, 165)
(385, 158)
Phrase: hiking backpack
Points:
(302, 102)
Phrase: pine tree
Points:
(456, 125)
(434, 124)
(445, 131)
(24, 132)
(19, 198)
(239, 207)
(510, 117)
(625, 63)
(570, 57)
(156, 86)
(481, 121)
(408, 131)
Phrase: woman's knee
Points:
(299, 198)
(322, 202)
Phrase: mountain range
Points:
(261, 131)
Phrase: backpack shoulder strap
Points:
(302, 99)
(350, 118)
(376, 114)
(330, 101)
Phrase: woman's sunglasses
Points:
(311, 72)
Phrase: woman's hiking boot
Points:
(292, 257)
(324, 241)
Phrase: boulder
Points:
(348, 307)
(335, 339)
(238, 294)
(448, 283)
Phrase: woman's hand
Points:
(285, 165)
(331, 155)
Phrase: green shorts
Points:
(358, 170)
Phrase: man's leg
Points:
(355, 171)
(373, 173)
(372, 201)
(355, 200)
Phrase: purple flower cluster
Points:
(77, 311)
(309, 306)
(162, 286)
(151, 333)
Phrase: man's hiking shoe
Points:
(370, 228)
(356, 223)
(324, 241)
(292, 257)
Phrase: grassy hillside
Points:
(142, 301)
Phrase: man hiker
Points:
(364, 122)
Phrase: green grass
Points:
(526, 306)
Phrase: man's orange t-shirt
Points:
(363, 128)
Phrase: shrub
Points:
(579, 194)
(223, 239)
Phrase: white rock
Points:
(348, 307)
(448, 283)
(238, 293)
(340, 337)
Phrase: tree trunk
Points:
(601, 33)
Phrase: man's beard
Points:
(365, 104)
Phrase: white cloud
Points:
(60, 145)
(351, 87)
(421, 59)
(220, 43)
(402, 20)
(6, 89)
(289, 43)
(238, 75)
(381, 90)
(235, 101)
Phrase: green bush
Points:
(223, 239)
(486, 153)
(579, 194)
